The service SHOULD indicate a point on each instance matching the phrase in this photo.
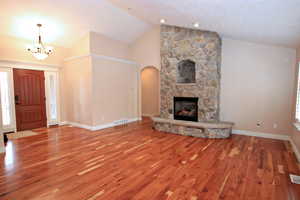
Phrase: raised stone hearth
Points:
(196, 129)
(190, 69)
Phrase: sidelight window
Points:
(298, 98)
(6, 98)
(52, 97)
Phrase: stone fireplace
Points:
(186, 108)
(190, 67)
(190, 82)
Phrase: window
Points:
(6, 97)
(5, 105)
(51, 96)
(298, 98)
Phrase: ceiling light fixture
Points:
(38, 50)
(196, 25)
(162, 21)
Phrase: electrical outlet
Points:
(258, 124)
(275, 125)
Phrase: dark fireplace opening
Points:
(186, 108)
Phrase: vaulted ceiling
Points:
(273, 22)
(64, 21)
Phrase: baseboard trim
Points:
(260, 134)
(295, 149)
(98, 127)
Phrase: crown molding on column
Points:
(103, 57)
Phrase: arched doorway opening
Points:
(150, 91)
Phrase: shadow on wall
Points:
(150, 91)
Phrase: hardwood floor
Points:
(136, 162)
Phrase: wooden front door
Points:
(29, 88)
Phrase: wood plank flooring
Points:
(135, 162)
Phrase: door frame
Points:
(9, 66)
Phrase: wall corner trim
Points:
(103, 57)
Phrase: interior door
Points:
(29, 88)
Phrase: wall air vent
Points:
(121, 122)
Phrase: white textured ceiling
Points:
(275, 22)
(64, 21)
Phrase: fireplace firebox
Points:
(186, 108)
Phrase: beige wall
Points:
(296, 133)
(76, 91)
(257, 86)
(115, 92)
(76, 84)
(146, 52)
(102, 45)
(14, 49)
(150, 91)
(81, 47)
(98, 90)
(115, 83)
(146, 49)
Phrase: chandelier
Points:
(38, 50)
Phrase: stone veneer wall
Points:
(202, 47)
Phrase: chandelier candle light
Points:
(39, 51)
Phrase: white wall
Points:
(257, 86)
